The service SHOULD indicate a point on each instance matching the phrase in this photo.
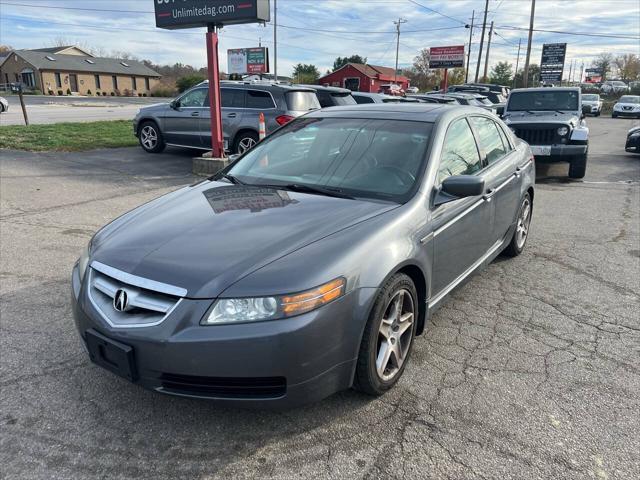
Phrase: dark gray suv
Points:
(185, 122)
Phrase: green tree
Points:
(502, 73)
(534, 76)
(186, 82)
(342, 61)
(305, 73)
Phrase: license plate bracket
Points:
(541, 150)
(111, 355)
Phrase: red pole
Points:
(445, 80)
(217, 141)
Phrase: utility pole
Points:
(570, 73)
(525, 75)
(486, 62)
(275, 40)
(397, 24)
(466, 75)
(517, 63)
(484, 26)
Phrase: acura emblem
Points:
(121, 301)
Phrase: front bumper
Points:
(627, 113)
(557, 153)
(304, 358)
(633, 143)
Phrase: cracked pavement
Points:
(531, 370)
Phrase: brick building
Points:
(359, 77)
(63, 70)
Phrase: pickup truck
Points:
(551, 121)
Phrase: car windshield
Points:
(619, 84)
(371, 158)
(629, 99)
(302, 101)
(590, 97)
(551, 100)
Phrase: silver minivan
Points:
(185, 122)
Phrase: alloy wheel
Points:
(395, 335)
(522, 228)
(246, 144)
(149, 137)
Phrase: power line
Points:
(436, 12)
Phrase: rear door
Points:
(182, 123)
(462, 228)
(232, 101)
(502, 181)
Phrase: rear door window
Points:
(362, 99)
(459, 152)
(232, 97)
(489, 138)
(259, 100)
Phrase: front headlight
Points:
(562, 131)
(240, 310)
(83, 261)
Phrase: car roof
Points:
(260, 86)
(421, 112)
(325, 88)
(546, 89)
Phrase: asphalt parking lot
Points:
(530, 371)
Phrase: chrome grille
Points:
(145, 307)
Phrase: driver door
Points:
(462, 227)
(182, 122)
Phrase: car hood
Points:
(154, 107)
(625, 104)
(206, 237)
(591, 102)
(569, 118)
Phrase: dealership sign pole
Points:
(446, 57)
(212, 14)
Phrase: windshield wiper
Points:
(232, 179)
(329, 192)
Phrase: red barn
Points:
(358, 77)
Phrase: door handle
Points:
(489, 195)
(232, 115)
(518, 170)
(195, 114)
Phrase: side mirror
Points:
(460, 186)
(175, 104)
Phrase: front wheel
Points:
(150, 137)
(578, 166)
(388, 336)
(613, 115)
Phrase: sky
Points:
(318, 31)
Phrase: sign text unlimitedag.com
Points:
(173, 14)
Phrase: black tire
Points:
(241, 142)
(578, 166)
(150, 137)
(613, 115)
(367, 378)
(597, 114)
(516, 245)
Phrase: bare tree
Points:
(603, 62)
(628, 66)
(5, 49)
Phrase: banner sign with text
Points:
(446, 57)
(552, 62)
(248, 60)
(174, 14)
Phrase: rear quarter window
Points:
(302, 101)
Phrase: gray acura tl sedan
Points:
(311, 263)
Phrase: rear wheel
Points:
(388, 336)
(245, 141)
(150, 137)
(578, 166)
(519, 239)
